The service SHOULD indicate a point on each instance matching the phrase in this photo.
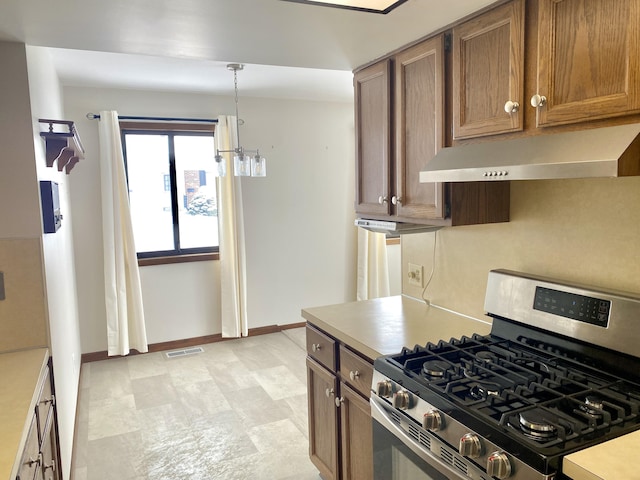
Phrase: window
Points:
(172, 192)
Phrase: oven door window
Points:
(394, 460)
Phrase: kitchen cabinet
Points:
(30, 445)
(419, 128)
(400, 103)
(340, 433)
(389, 184)
(41, 453)
(488, 72)
(588, 60)
(586, 66)
(372, 90)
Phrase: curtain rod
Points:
(93, 116)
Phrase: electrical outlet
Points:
(416, 275)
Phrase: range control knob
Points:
(432, 420)
(384, 388)
(470, 446)
(498, 465)
(402, 400)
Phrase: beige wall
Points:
(22, 313)
(19, 197)
(585, 231)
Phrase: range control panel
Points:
(577, 307)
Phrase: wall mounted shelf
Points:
(65, 148)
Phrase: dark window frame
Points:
(177, 255)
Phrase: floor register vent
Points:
(186, 351)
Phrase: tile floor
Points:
(236, 411)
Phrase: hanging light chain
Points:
(247, 165)
(235, 85)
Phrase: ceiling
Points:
(290, 49)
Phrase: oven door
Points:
(398, 456)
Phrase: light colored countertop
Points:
(20, 373)
(383, 326)
(612, 460)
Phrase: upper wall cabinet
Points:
(399, 111)
(588, 60)
(373, 141)
(419, 128)
(388, 178)
(488, 73)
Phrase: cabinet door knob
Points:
(328, 392)
(316, 347)
(511, 107)
(353, 375)
(382, 200)
(538, 100)
(339, 401)
(396, 200)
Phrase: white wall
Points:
(46, 102)
(298, 220)
(29, 90)
(394, 263)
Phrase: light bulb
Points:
(242, 165)
(220, 167)
(258, 166)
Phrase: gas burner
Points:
(435, 368)
(592, 406)
(486, 356)
(539, 424)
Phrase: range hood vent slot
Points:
(599, 152)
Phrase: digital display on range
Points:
(569, 305)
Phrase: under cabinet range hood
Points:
(392, 228)
(599, 152)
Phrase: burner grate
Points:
(496, 379)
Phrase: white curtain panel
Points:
(373, 267)
(231, 233)
(123, 295)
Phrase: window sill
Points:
(196, 257)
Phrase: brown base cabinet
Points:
(340, 431)
(40, 457)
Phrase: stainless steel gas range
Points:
(559, 372)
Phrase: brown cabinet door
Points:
(488, 72)
(588, 59)
(322, 388)
(49, 451)
(419, 126)
(357, 436)
(30, 463)
(373, 125)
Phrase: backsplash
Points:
(585, 231)
(22, 312)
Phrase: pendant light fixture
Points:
(244, 165)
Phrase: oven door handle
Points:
(380, 412)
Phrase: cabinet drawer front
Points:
(321, 347)
(356, 371)
(45, 404)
